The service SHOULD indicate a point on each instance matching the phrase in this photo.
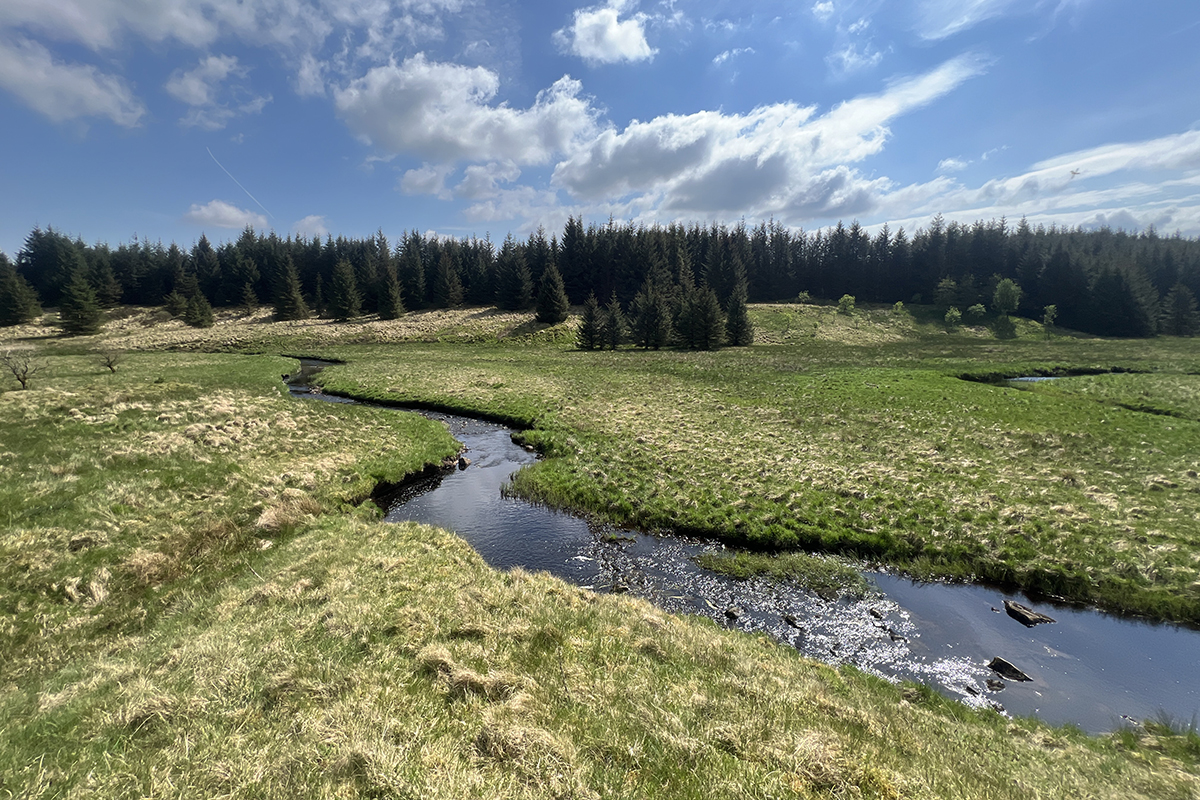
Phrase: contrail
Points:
(235, 180)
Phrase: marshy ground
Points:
(197, 603)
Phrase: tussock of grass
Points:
(823, 575)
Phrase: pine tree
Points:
(739, 331)
(613, 326)
(289, 300)
(514, 290)
(391, 300)
(104, 281)
(18, 300)
(588, 337)
(78, 309)
(411, 269)
(199, 312)
(345, 302)
(552, 303)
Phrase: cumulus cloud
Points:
(310, 226)
(952, 165)
(853, 58)
(780, 159)
(442, 113)
(823, 10)
(483, 180)
(201, 87)
(599, 35)
(65, 91)
(219, 214)
(428, 179)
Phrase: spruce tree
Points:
(739, 331)
(552, 303)
(249, 302)
(104, 281)
(651, 323)
(345, 302)
(175, 303)
(588, 337)
(514, 289)
(447, 286)
(391, 299)
(613, 326)
(199, 312)
(289, 300)
(1179, 312)
(78, 309)
(18, 300)
(700, 323)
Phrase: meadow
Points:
(905, 449)
(201, 601)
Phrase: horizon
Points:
(473, 118)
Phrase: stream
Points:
(1090, 669)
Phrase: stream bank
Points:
(1090, 669)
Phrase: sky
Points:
(165, 119)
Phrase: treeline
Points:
(1106, 282)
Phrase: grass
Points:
(880, 452)
(823, 575)
(198, 604)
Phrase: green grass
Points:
(198, 606)
(822, 575)
(878, 451)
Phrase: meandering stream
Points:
(1091, 669)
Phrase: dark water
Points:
(1091, 669)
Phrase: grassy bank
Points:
(195, 607)
(1085, 488)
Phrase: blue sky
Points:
(168, 118)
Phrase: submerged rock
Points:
(1025, 615)
(792, 619)
(1007, 669)
(463, 462)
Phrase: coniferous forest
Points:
(1105, 282)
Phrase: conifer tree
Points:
(613, 326)
(447, 286)
(104, 281)
(249, 302)
(289, 300)
(739, 331)
(514, 289)
(1179, 312)
(700, 324)
(411, 268)
(391, 300)
(588, 337)
(651, 323)
(78, 309)
(18, 300)
(345, 302)
(176, 303)
(199, 312)
(552, 303)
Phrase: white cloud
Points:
(483, 181)
(65, 91)
(441, 113)
(310, 226)
(777, 159)
(952, 165)
(599, 35)
(219, 214)
(310, 77)
(198, 87)
(721, 58)
(823, 10)
(853, 58)
(939, 19)
(202, 86)
(429, 179)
